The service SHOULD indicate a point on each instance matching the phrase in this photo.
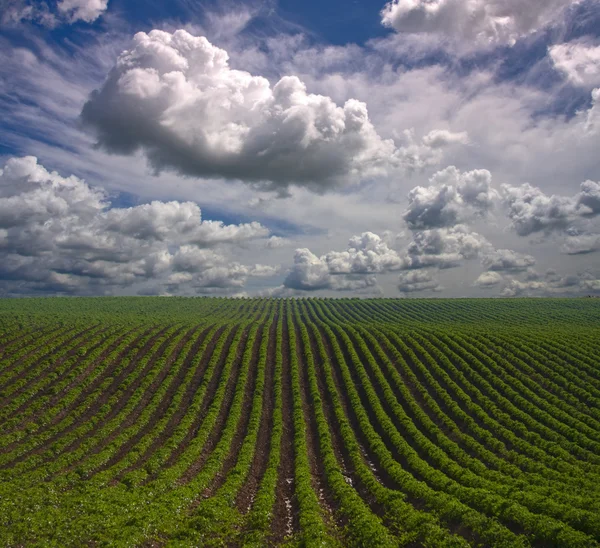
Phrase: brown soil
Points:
(208, 397)
(285, 512)
(242, 427)
(215, 434)
(145, 400)
(104, 396)
(369, 459)
(261, 453)
(319, 481)
(47, 390)
(48, 355)
(416, 394)
(190, 390)
(6, 347)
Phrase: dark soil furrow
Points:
(191, 388)
(319, 480)
(148, 394)
(48, 388)
(242, 427)
(47, 356)
(210, 391)
(261, 454)
(215, 434)
(7, 347)
(122, 402)
(104, 397)
(285, 512)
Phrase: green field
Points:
(166, 421)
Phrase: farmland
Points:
(304, 422)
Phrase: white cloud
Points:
(531, 210)
(175, 97)
(308, 273)
(366, 254)
(417, 281)
(501, 260)
(275, 242)
(535, 285)
(579, 61)
(581, 244)
(41, 12)
(82, 10)
(14, 12)
(451, 197)
(369, 254)
(489, 279)
(354, 268)
(481, 22)
(58, 234)
(443, 248)
(438, 138)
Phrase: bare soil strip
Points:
(285, 512)
(48, 388)
(8, 345)
(104, 397)
(44, 357)
(261, 454)
(210, 392)
(179, 413)
(126, 395)
(215, 434)
(164, 403)
(421, 401)
(242, 427)
(319, 481)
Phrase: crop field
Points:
(159, 421)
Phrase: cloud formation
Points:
(451, 197)
(579, 61)
(489, 279)
(480, 21)
(58, 234)
(82, 10)
(417, 281)
(370, 254)
(354, 268)
(174, 96)
(48, 15)
(534, 284)
(443, 248)
(531, 210)
(506, 260)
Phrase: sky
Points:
(411, 148)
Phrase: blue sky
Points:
(407, 149)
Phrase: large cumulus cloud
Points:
(478, 21)
(369, 254)
(174, 96)
(354, 268)
(450, 198)
(443, 248)
(500, 260)
(418, 281)
(58, 234)
(531, 210)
